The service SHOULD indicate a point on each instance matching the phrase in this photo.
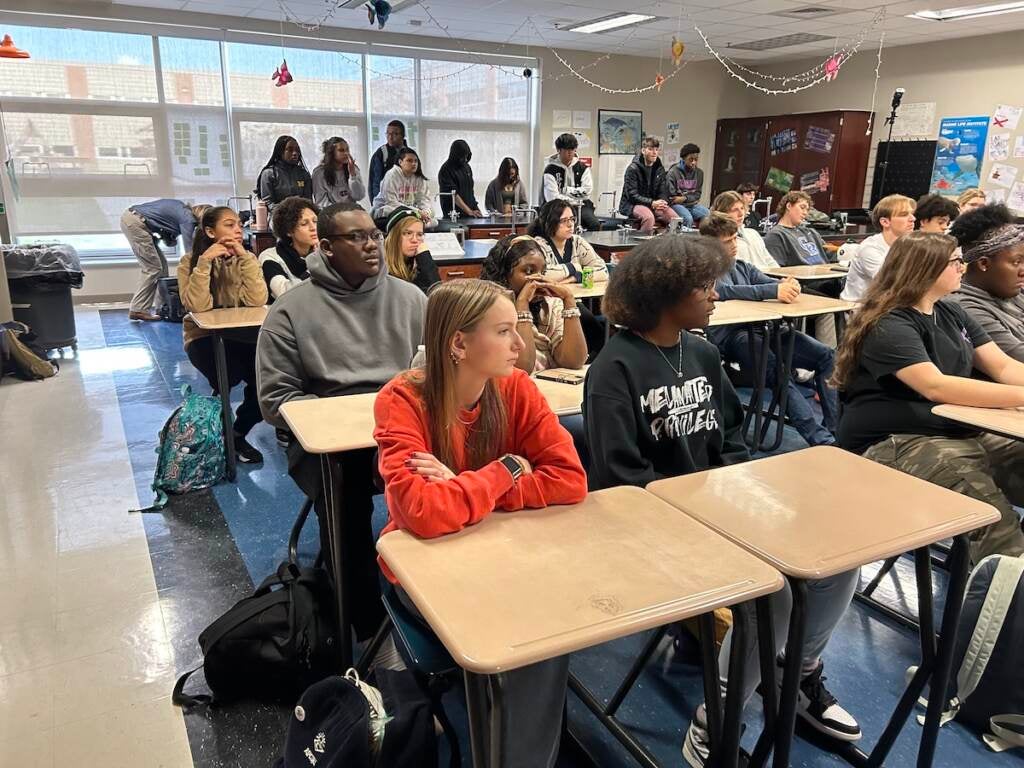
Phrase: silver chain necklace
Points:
(678, 371)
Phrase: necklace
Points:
(678, 371)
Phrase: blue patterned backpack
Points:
(191, 450)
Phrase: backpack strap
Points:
(1007, 732)
(998, 598)
(186, 701)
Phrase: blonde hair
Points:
(453, 306)
(725, 201)
(397, 263)
(892, 205)
(199, 210)
(969, 194)
(789, 199)
(912, 266)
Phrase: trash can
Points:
(40, 278)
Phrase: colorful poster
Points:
(814, 182)
(958, 154)
(1018, 147)
(999, 146)
(619, 132)
(672, 133)
(1015, 200)
(1006, 117)
(779, 179)
(819, 139)
(1003, 175)
(783, 141)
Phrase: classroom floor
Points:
(101, 608)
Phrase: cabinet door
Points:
(739, 147)
(460, 270)
(800, 149)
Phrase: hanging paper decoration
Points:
(677, 51)
(659, 81)
(281, 75)
(379, 11)
(832, 68)
(8, 50)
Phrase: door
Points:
(739, 147)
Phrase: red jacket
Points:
(434, 509)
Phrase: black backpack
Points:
(171, 309)
(272, 645)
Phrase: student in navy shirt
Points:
(907, 349)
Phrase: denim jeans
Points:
(810, 354)
(693, 213)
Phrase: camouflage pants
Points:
(988, 468)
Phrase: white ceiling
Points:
(723, 21)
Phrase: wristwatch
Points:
(512, 465)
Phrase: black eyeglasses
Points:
(569, 220)
(959, 261)
(358, 238)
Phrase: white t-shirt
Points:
(750, 248)
(865, 265)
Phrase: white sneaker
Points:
(697, 745)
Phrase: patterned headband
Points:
(999, 239)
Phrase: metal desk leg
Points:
(760, 374)
(331, 475)
(791, 674)
(497, 718)
(220, 362)
(712, 685)
(770, 692)
(784, 364)
(476, 706)
(730, 741)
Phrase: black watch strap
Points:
(513, 466)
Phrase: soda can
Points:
(588, 277)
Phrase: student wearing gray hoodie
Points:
(993, 250)
(347, 330)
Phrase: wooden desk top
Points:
(225, 319)
(1002, 421)
(526, 586)
(590, 293)
(807, 305)
(737, 311)
(345, 423)
(810, 272)
(822, 511)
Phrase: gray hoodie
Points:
(324, 338)
(1002, 319)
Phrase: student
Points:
(284, 175)
(456, 175)
(404, 185)
(565, 252)
(745, 281)
(748, 193)
(347, 330)
(219, 272)
(567, 178)
(467, 435)
(336, 179)
(143, 225)
(507, 190)
(934, 213)
(645, 188)
(686, 185)
(970, 199)
(749, 243)
(894, 216)
(284, 265)
(790, 242)
(905, 351)
(993, 249)
(658, 404)
(386, 155)
(406, 252)
(554, 338)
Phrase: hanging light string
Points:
(874, 90)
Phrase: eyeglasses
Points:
(569, 220)
(358, 238)
(411, 234)
(959, 261)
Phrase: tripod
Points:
(890, 121)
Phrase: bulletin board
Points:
(1003, 176)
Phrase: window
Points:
(324, 81)
(458, 91)
(191, 71)
(489, 148)
(257, 143)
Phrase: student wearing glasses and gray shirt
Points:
(347, 330)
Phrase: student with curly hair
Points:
(935, 212)
(284, 265)
(993, 250)
(657, 404)
(907, 350)
(554, 338)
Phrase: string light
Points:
(874, 90)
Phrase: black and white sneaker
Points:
(245, 452)
(284, 437)
(821, 710)
(697, 745)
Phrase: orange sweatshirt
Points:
(434, 509)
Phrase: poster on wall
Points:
(672, 133)
(779, 179)
(581, 120)
(618, 132)
(814, 182)
(1003, 175)
(1015, 201)
(583, 139)
(958, 154)
(916, 119)
(1018, 147)
(999, 146)
(1006, 117)
(819, 139)
(995, 196)
(561, 118)
(783, 141)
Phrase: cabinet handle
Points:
(456, 273)
(495, 234)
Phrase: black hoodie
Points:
(645, 423)
(643, 184)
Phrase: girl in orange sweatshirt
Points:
(465, 435)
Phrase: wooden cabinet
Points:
(796, 150)
(459, 270)
(488, 233)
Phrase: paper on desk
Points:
(443, 244)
